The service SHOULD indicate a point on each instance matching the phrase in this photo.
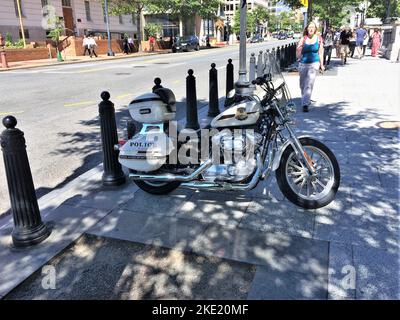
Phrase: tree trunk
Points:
(139, 28)
(387, 10)
(309, 11)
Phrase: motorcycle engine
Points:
(236, 158)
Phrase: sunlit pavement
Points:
(254, 245)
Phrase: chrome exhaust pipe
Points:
(225, 186)
(172, 177)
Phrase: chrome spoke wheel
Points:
(306, 186)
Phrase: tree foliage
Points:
(253, 19)
(378, 9)
(186, 8)
(332, 11)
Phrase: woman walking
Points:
(310, 51)
(376, 42)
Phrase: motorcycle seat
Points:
(166, 96)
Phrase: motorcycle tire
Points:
(306, 201)
(157, 188)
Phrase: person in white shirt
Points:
(85, 45)
(92, 44)
(130, 44)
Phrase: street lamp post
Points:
(242, 86)
(110, 52)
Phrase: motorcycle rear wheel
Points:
(304, 191)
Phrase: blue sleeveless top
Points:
(309, 54)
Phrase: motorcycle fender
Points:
(278, 155)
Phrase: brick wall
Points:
(15, 55)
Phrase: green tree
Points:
(251, 23)
(184, 9)
(152, 29)
(135, 9)
(56, 30)
(332, 11)
(380, 9)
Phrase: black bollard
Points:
(113, 174)
(157, 84)
(192, 121)
(28, 226)
(282, 58)
(278, 57)
(229, 77)
(286, 56)
(213, 109)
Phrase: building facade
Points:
(79, 17)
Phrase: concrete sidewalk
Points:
(122, 243)
(29, 64)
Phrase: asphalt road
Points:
(57, 106)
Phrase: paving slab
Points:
(219, 208)
(282, 252)
(274, 285)
(158, 229)
(167, 204)
(104, 268)
(377, 232)
(279, 216)
(377, 273)
(341, 285)
(67, 223)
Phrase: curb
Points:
(81, 61)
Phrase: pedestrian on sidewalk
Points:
(310, 52)
(92, 44)
(344, 44)
(85, 45)
(328, 45)
(352, 44)
(365, 42)
(125, 45)
(130, 44)
(376, 42)
(361, 34)
(152, 41)
(336, 40)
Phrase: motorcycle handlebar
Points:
(259, 81)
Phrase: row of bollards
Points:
(29, 228)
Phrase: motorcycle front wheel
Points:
(293, 180)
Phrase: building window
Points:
(26, 33)
(16, 8)
(121, 21)
(87, 10)
(44, 9)
(67, 3)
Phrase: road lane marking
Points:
(77, 104)
(92, 70)
(122, 96)
(10, 113)
(173, 65)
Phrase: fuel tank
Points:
(243, 114)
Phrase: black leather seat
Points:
(166, 95)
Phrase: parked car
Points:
(297, 35)
(282, 36)
(185, 44)
(257, 38)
